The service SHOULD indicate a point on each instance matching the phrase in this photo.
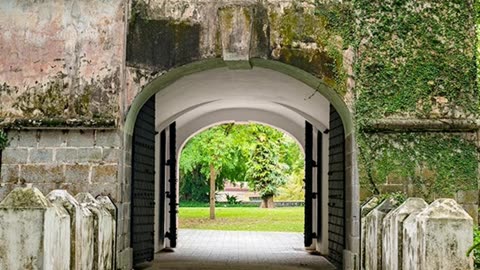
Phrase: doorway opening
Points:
(173, 112)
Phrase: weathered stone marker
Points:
(367, 207)
(34, 233)
(373, 233)
(438, 237)
(103, 231)
(393, 232)
(107, 203)
(82, 225)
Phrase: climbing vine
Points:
(431, 164)
(415, 59)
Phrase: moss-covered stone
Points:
(429, 165)
(162, 44)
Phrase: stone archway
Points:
(344, 238)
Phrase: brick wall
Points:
(75, 160)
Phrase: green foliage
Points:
(258, 154)
(232, 199)
(475, 249)
(265, 172)
(293, 189)
(435, 164)
(3, 140)
(411, 52)
(194, 186)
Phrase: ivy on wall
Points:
(428, 164)
(414, 56)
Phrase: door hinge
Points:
(314, 195)
(314, 164)
(314, 235)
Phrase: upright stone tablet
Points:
(393, 232)
(367, 207)
(438, 238)
(82, 229)
(103, 231)
(373, 233)
(107, 203)
(34, 233)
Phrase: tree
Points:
(258, 154)
(265, 172)
(213, 154)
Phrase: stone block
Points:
(14, 156)
(103, 231)
(51, 138)
(472, 210)
(80, 138)
(82, 229)
(467, 197)
(373, 233)
(125, 259)
(66, 155)
(77, 173)
(34, 233)
(24, 138)
(33, 173)
(41, 155)
(438, 238)
(10, 173)
(104, 173)
(89, 154)
(111, 155)
(236, 32)
(107, 139)
(392, 250)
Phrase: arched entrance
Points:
(186, 99)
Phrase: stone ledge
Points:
(413, 124)
(59, 123)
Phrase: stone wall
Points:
(75, 160)
(64, 62)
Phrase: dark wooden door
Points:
(143, 184)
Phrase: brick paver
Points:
(233, 250)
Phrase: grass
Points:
(284, 219)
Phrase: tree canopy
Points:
(260, 155)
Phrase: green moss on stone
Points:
(428, 165)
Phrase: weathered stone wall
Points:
(165, 34)
(61, 60)
(75, 160)
(416, 97)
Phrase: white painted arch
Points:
(202, 89)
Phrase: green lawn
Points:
(284, 219)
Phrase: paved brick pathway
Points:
(205, 249)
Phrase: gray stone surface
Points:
(392, 249)
(236, 32)
(373, 233)
(40, 156)
(207, 249)
(438, 238)
(14, 156)
(103, 231)
(366, 208)
(82, 229)
(34, 233)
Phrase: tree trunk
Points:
(267, 202)
(212, 191)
